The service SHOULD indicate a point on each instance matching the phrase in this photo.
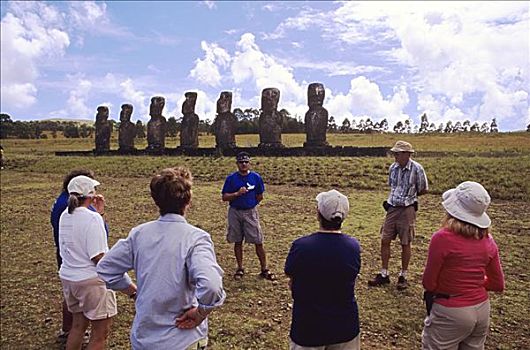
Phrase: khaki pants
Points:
(456, 328)
(354, 344)
(198, 345)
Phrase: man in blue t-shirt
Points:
(244, 189)
(322, 268)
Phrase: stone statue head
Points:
(188, 107)
(126, 112)
(224, 103)
(157, 106)
(269, 99)
(315, 94)
(103, 114)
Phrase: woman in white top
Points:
(83, 242)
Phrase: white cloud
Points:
(206, 71)
(365, 98)
(210, 4)
(31, 34)
(250, 63)
(453, 51)
(136, 97)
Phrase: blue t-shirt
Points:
(323, 268)
(252, 181)
(60, 204)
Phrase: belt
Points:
(240, 209)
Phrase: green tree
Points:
(140, 129)
(346, 126)
(6, 126)
(172, 127)
(71, 131)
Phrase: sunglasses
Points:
(243, 161)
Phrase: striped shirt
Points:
(406, 183)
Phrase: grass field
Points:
(256, 314)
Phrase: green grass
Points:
(256, 314)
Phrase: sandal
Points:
(239, 274)
(266, 274)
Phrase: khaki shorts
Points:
(354, 344)
(399, 221)
(244, 224)
(91, 297)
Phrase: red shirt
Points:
(464, 268)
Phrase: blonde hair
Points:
(464, 228)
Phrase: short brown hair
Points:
(75, 173)
(464, 228)
(171, 190)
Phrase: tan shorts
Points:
(91, 297)
(399, 221)
(456, 327)
(354, 344)
(244, 224)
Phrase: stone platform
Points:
(330, 151)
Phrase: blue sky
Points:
(394, 60)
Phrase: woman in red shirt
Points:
(462, 266)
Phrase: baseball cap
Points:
(468, 202)
(83, 185)
(332, 204)
(402, 146)
(243, 157)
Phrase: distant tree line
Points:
(247, 123)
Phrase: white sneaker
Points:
(86, 337)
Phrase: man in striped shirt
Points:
(407, 181)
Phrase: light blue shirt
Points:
(176, 269)
(405, 183)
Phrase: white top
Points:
(82, 236)
(176, 269)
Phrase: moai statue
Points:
(156, 127)
(127, 131)
(316, 118)
(103, 129)
(225, 123)
(270, 120)
(189, 132)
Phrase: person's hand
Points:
(242, 191)
(190, 319)
(99, 203)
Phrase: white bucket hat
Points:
(83, 185)
(402, 146)
(468, 202)
(333, 204)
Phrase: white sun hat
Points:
(83, 185)
(332, 204)
(468, 202)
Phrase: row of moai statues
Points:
(224, 126)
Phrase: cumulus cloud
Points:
(31, 33)
(450, 52)
(136, 97)
(263, 70)
(365, 99)
(206, 70)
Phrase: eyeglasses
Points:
(243, 161)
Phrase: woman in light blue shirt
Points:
(179, 280)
